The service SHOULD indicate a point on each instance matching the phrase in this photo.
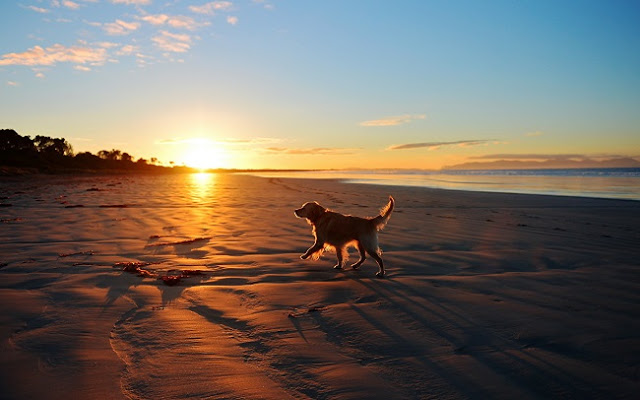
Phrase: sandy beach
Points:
(487, 295)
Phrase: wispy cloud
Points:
(174, 21)
(120, 27)
(54, 54)
(211, 7)
(126, 50)
(310, 151)
(232, 20)
(39, 9)
(516, 156)
(174, 42)
(12, 83)
(70, 4)
(393, 121)
(107, 45)
(437, 145)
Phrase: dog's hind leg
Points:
(370, 244)
(374, 254)
(357, 264)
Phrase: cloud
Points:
(127, 50)
(174, 42)
(232, 20)
(311, 151)
(436, 145)
(120, 27)
(82, 68)
(38, 9)
(54, 54)
(393, 121)
(157, 19)
(177, 21)
(107, 45)
(132, 2)
(12, 83)
(533, 156)
(211, 7)
(70, 4)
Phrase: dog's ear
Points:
(315, 211)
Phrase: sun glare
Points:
(204, 155)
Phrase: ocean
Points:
(615, 183)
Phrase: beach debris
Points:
(155, 237)
(77, 253)
(312, 309)
(94, 189)
(173, 280)
(3, 264)
(144, 273)
(10, 220)
(170, 279)
(131, 266)
(135, 267)
(74, 206)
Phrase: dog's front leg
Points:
(316, 247)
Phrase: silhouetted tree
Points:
(52, 146)
(56, 155)
(10, 140)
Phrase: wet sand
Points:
(487, 295)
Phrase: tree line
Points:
(47, 154)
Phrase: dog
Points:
(338, 231)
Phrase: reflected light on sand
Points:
(203, 186)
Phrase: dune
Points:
(487, 295)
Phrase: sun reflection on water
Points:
(203, 185)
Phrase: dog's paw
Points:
(304, 256)
(380, 274)
(337, 266)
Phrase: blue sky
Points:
(325, 84)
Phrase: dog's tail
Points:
(385, 213)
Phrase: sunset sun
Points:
(203, 155)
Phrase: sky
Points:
(325, 84)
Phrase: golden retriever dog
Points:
(338, 231)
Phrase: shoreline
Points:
(365, 178)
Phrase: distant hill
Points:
(549, 164)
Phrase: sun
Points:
(203, 155)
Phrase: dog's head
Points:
(311, 211)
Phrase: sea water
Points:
(617, 183)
